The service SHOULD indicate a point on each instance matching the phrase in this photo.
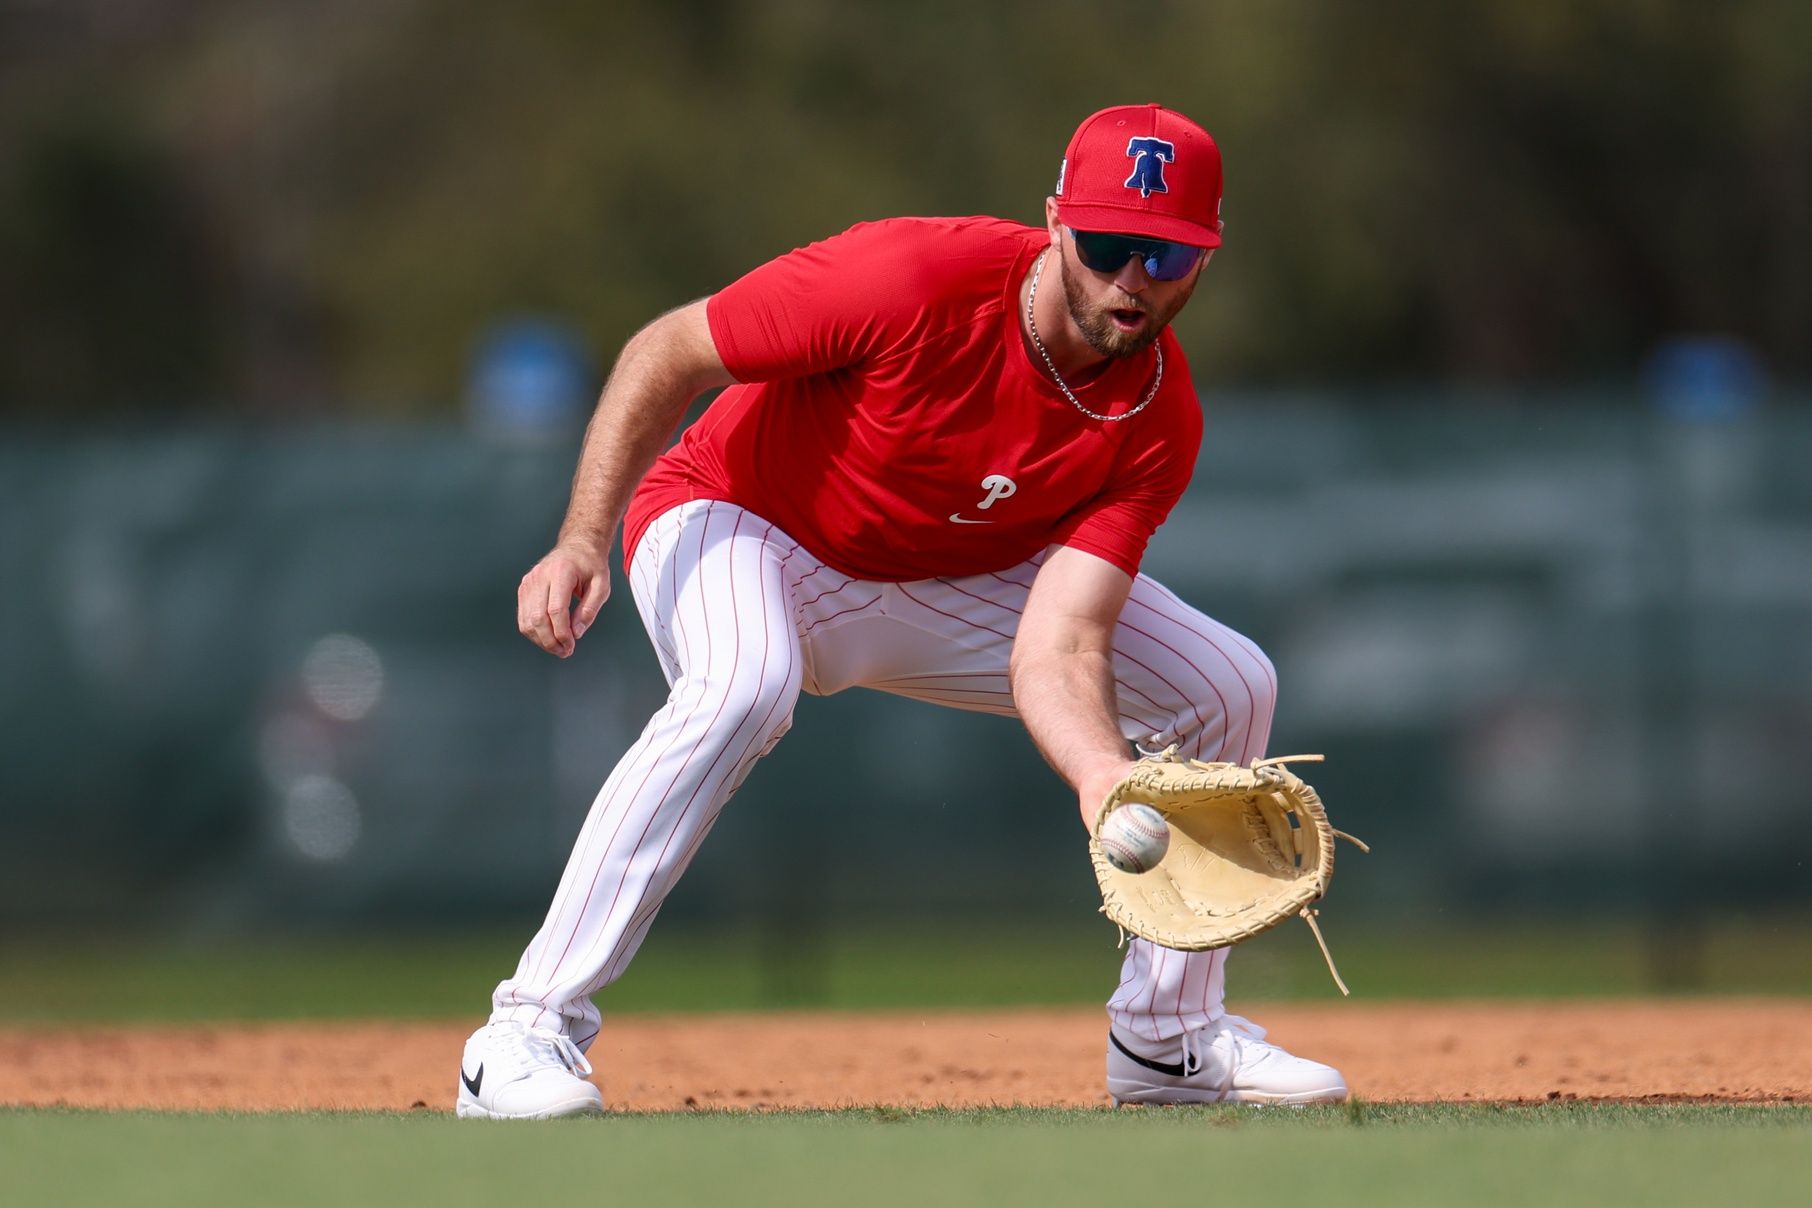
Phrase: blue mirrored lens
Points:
(1163, 261)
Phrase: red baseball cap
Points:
(1142, 170)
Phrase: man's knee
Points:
(1262, 683)
(1225, 693)
(762, 698)
(1245, 690)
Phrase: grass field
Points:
(1355, 1155)
(430, 977)
(1474, 1155)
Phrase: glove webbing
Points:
(1309, 913)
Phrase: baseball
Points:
(1134, 838)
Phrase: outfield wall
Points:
(269, 678)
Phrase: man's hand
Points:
(545, 612)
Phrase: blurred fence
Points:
(261, 679)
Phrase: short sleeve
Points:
(826, 306)
(1117, 524)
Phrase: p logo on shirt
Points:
(998, 487)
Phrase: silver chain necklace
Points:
(1032, 326)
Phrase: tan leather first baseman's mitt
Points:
(1249, 848)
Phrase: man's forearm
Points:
(1062, 672)
(661, 370)
(1067, 703)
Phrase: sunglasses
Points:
(1163, 261)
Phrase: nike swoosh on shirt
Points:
(956, 518)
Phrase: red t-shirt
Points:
(891, 418)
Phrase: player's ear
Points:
(1054, 227)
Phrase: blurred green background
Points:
(1506, 370)
(281, 207)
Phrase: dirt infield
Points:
(1730, 1050)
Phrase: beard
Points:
(1096, 321)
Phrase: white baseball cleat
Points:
(512, 1072)
(1226, 1062)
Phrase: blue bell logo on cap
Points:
(1149, 155)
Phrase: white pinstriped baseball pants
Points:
(743, 619)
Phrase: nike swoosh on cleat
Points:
(474, 1082)
(1180, 1070)
(956, 518)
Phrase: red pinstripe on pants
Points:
(744, 619)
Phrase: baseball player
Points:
(941, 450)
